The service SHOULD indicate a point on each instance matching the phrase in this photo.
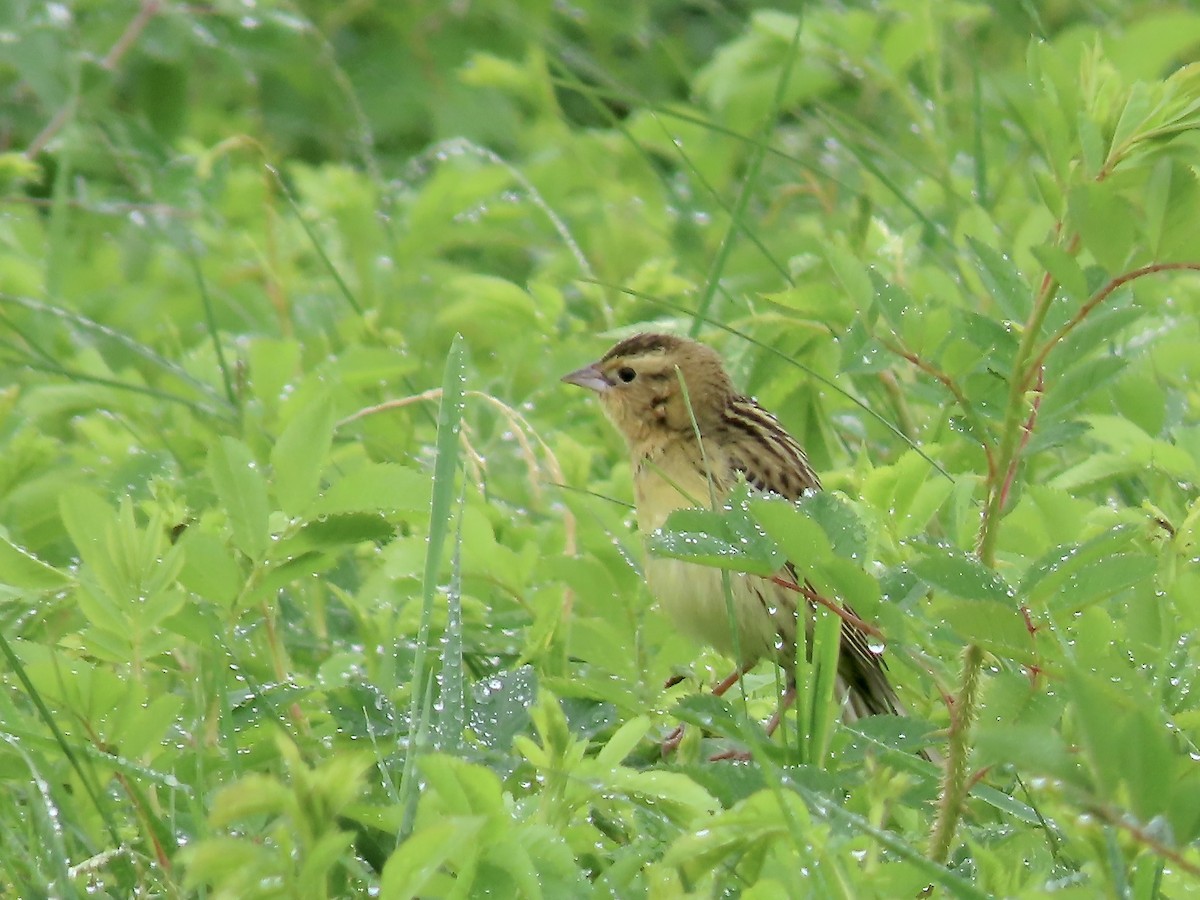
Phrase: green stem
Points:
(1014, 415)
(954, 785)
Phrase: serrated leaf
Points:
(1073, 575)
(300, 454)
(727, 540)
(376, 487)
(243, 494)
(1105, 221)
(501, 707)
(797, 535)
(891, 300)
(862, 353)
(961, 575)
(21, 569)
(1064, 269)
(1005, 284)
(846, 532)
(999, 629)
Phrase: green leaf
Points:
(862, 353)
(445, 470)
(670, 794)
(998, 628)
(1063, 268)
(1010, 292)
(961, 575)
(21, 569)
(846, 532)
(243, 494)
(376, 487)
(846, 582)
(851, 274)
(1104, 579)
(1091, 144)
(300, 454)
(1105, 222)
(464, 789)
(1169, 232)
(419, 859)
(891, 300)
(1072, 576)
(798, 535)
(501, 706)
(727, 540)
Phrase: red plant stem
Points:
(1102, 295)
(949, 384)
(1027, 430)
(845, 615)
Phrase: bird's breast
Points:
(693, 597)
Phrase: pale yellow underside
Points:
(693, 596)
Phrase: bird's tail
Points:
(866, 691)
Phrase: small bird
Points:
(638, 382)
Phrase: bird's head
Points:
(638, 382)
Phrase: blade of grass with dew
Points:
(956, 885)
(86, 775)
(445, 467)
(85, 378)
(43, 820)
(452, 715)
(826, 646)
(74, 319)
(726, 585)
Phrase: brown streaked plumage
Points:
(638, 382)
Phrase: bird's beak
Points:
(589, 377)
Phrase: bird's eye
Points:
(626, 374)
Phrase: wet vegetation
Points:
(316, 582)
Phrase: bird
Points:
(690, 448)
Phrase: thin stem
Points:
(955, 785)
(810, 594)
(1026, 434)
(988, 526)
(955, 391)
(1144, 837)
(148, 10)
(1026, 366)
(1102, 295)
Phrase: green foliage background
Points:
(315, 581)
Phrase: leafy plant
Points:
(315, 582)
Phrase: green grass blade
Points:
(453, 714)
(445, 468)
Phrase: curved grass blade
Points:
(753, 169)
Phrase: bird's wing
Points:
(760, 448)
(770, 459)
